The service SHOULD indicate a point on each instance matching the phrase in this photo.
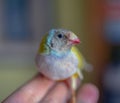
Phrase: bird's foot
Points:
(73, 99)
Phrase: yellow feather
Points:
(81, 64)
(43, 48)
(79, 56)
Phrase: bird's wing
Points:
(79, 56)
(82, 63)
(43, 48)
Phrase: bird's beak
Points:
(73, 39)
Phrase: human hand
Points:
(43, 90)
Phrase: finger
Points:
(31, 92)
(59, 94)
(88, 94)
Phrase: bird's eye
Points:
(60, 35)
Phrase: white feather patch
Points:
(57, 68)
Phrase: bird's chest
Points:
(57, 68)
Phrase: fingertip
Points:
(59, 94)
(89, 93)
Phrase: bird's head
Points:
(61, 40)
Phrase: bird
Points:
(58, 58)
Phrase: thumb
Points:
(88, 94)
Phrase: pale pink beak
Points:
(75, 41)
(73, 38)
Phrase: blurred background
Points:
(96, 22)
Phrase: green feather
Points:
(43, 48)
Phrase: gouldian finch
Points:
(59, 59)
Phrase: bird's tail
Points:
(88, 67)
